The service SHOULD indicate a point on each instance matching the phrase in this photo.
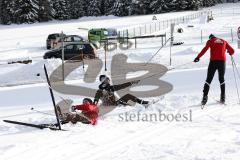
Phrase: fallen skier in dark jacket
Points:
(106, 91)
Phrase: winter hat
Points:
(102, 78)
(211, 36)
(87, 100)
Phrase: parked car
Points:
(67, 40)
(74, 51)
(99, 35)
(52, 40)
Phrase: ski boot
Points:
(204, 100)
(146, 105)
(222, 99)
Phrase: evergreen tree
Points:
(135, 8)
(7, 11)
(139, 7)
(77, 8)
(182, 5)
(193, 4)
(158, 6)
(61, 9)
(1, 11)
(27, 11)
(94, 8)
(45, 12)
(145, 6)
(107, 6)
(121, 8)
(172, 5)
(208, 3)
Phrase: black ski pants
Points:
(124, 100)
(215, 65)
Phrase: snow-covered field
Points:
(210, 134)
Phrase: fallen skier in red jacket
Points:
(89, 110)
(88, 115)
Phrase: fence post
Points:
(140, 30)
(105, 56)
(135, 42)
(119, 38)
(155, 26)
(134, 32)
(150, 28)
(232, 34)
(62, 38)
(159, 26)
(145, 28)
(127, 38)
(162, 40)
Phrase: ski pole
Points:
(235, 67)
(57, 94)
(37, 111)
(155, 74)
(235, 78)
(157, 51)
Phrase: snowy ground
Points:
(212, 134)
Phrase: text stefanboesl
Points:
(158, 116)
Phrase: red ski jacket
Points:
(90, 111)
(218, 49)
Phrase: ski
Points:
(53, 99)
(217, 102)
(221, 103)
(39, 126)
(203, 106)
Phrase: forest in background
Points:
(31, 11)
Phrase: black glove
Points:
(135, 81)
(95, 102)
(196, 60)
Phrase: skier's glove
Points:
(196, 60)
(135, 82)
(95, 102)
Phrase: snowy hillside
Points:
(209, 134)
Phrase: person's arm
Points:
(230, 50)
(124, 85)
(204, 50)
(81, 107)
(98, 95)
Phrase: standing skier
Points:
(106, 93)
(218, 49)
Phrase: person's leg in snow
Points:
(211, 71)
(128, 97)
(213, 66)
(221, 73)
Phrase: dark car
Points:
(73, 52)
(53, 39)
